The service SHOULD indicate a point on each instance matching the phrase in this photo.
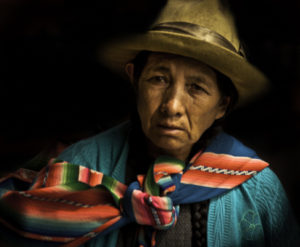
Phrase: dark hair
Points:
(199, 212)
(225, 86)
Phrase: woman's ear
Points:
(129, 69)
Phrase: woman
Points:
(188, 72)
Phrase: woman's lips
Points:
(170, 129)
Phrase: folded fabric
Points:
(67, 204)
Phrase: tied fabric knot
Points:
(144, 209)
(87, 203)
(147, 202)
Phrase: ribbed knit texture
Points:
(255, 214)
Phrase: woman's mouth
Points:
(168, 129)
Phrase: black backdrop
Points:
(54, 91)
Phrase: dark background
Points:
(53, 91)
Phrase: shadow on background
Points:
(54, 91)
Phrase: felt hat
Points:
(200, 29)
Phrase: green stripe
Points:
(111, 184)
(70, 173)
(150, 186)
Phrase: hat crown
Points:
(214, 15)
(203, 30)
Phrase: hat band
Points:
(197, 31)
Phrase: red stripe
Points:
(95, 178)
(167, 167)
(54, 175)
(225, 161)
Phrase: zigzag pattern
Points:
(222, 171)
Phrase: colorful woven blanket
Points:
(66, 204)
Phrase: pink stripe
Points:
(84, 174)
(140, 208)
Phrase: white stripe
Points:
(222, 171)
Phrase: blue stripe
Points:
(192, 193)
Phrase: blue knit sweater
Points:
(256, 213)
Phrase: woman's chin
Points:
(171, 146)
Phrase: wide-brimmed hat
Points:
(200, 29)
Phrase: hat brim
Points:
(248, 80)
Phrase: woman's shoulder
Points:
(103, 146)
(278, 220)
(227, 144)
(265, 183)
(261, 198)
(263, 180)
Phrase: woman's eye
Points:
(197, 88)
(158, 79)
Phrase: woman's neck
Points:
(154, 152)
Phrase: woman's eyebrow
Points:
(199, 79)
(160, 68)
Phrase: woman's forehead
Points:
(160, 61)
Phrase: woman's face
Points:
(177, 100)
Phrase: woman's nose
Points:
(173, 101)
